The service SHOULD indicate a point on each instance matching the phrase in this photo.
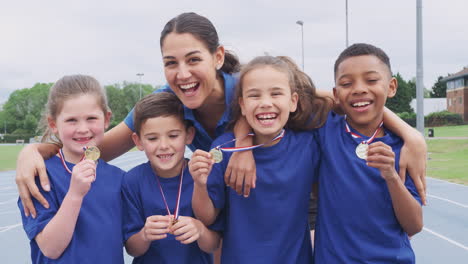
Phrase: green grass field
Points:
(448, 160)
(450, 131)
(8, 156)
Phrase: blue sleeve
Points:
(215, 184)
(133, 221)
(33, 226)
(317, 157)
(129, 118)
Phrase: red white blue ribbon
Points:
(176, 209)
(237, 149)
(62, 158)
(359, 136)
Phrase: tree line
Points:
(22, 113)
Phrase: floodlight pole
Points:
(301, 23)
(140, 75)
(347, 39)
(419, 70)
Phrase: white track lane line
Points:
(9, 201)
(447, 200)
(453, 242)
(439, 180)
(6, 228)
(9, 212)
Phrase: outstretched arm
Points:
(30, 163)
(241, 171)
(116, 142)
(413, 154)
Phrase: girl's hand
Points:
(413, 158)
(29, 164)
(156, 227)
(83, 174)
(241, 173)
(187, 229)
(382, 157)
(200, 166)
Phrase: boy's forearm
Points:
(209, 240)
(136, 245)
(202, 205)
(57, 234)
(407, 210)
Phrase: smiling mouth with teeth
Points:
(165, 156)
(266, 116)
(83, 139)
(266, 119)
(189, 88)
(361, 104)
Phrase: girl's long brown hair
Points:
(311, 109)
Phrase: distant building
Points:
(431, 105)
(457, 93)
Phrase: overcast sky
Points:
(113, 40)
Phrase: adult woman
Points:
(199, 71)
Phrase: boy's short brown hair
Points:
(158, 105)
(360, 49)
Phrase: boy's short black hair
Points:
(158, 105)
(360, 49)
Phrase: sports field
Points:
(444, 238)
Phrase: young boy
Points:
(366, 212)
(158, 220)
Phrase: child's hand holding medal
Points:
(156, 227)
(186, 230)
(200, 165)
(92, 153)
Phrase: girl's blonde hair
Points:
(311, 110)
(70, 86)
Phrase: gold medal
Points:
(92, 153)
(216, 154)
(361, 150)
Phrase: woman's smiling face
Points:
(190, 68)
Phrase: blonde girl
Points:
(83, 222)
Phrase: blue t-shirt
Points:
(356, 222)
(98, 234)
(142, 198)
(202, 139)
(270, 226)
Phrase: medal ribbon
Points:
(62, 158)
(237, 149)
(359, 136)
(176, 209)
